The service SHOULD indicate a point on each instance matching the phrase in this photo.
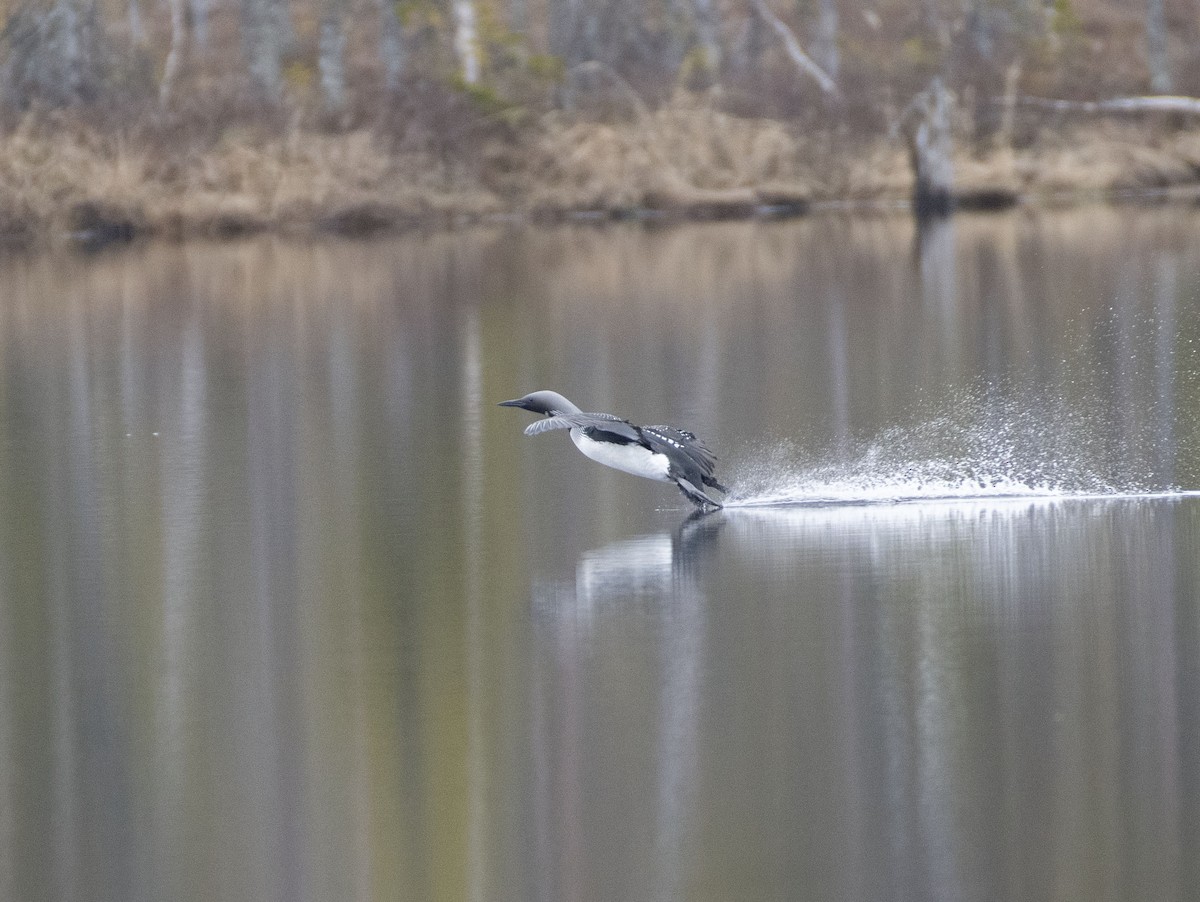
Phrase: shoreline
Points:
(117, 231)
(102, 229)
(63, 187)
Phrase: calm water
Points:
(289, 609)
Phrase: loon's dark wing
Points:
(659, 438)
(603, 427)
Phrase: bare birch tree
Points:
(747, 46)
(466, 40)
(392, 50)
(331, 56)
(979, 30)
(708, 34)
(133, 15)
(263, 41)
(936, 24)
(1156, 48)
(518, 16)
(175, 55)
(825, 47)
(565, 32)
(70, 14)
(199, 10)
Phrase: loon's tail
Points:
(712, 483)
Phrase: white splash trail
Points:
(850, 495)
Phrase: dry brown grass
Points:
(687, 159)
(295, 183)
(681, 156)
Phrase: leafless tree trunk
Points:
(747, 46)
(564, 31)
(137, 29)
(936, 24)
(263, 41)
(74, 45)
(392, 50)
(979, 29)
(708, 34)
(825, 48)
(199, 10)
(1008, 109)
(175, 55)
(466, 40)
(331, 54)
(518, 16)
(75, 48)
(1156, 48)
(931, 147)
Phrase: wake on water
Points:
(979, 448)
(818, 493)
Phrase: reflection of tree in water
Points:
(937, 265)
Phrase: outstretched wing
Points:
(600, 426)
(657, 437)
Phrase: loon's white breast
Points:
(631, 458)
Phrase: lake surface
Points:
(289, 609)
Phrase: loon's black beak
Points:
(516, 402)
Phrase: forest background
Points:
(222, 117)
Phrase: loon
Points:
(663, 453)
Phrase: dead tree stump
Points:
(931, 149)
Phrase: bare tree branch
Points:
(595, 70)
(175, 54)
(794, 51)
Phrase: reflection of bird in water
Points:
(694, 540)
(664, 564)
(583, 624)
(663, 453)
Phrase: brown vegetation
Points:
(194, 117)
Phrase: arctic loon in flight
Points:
(655, 452)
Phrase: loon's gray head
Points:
(550, 403)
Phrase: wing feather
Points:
(682, 440)
(599, 425)
(546, 424)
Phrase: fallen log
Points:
(1188, 106)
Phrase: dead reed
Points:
(688, 159)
